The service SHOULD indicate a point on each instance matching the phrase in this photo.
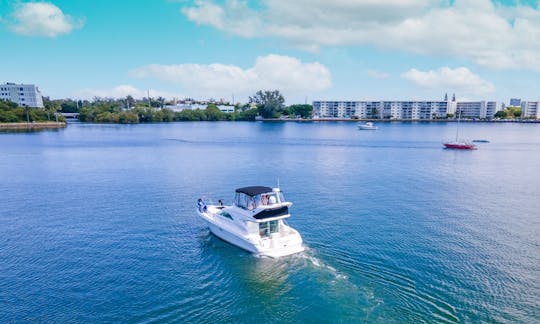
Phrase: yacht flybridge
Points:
(255, 222)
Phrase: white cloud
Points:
(460, 80)
(287, 74)
(375, 74)
(123, 91)
(491, 35)
(42, 19)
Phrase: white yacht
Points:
(367, 126)
(255, 222)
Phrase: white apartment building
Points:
(530, 109)
(477, 109)
(491, 108)
(383, 109)
(24, 95)
(413, 110)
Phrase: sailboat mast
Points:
(457, 128)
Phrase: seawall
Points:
(32, 125)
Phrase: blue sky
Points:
(308, 49)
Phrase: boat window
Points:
(263, 229)
(281, 198)
(267, 228)
(226, 215)
(262, 200)
(244, 201)
(250, 203)
(274, 226)
(238, 201)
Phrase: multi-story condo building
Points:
(383, 109)
(413, 110)
(25, 95)
(477, 109)
(491, 108)
(530, 109)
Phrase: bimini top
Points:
(254, 190)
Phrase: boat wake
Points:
(310, 260)
(359, 289)
(416, 302)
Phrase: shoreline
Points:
(32, 125)
(59, 125)
(531, 121)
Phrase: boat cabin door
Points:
(268, 228)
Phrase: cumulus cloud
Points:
(123, 91)
(42, 19)
(488, 34)
(287, 74)
(460, 80)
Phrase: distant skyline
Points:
(307, 49)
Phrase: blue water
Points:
(98, 223)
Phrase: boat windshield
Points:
(265, 199)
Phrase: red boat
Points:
(460, 146)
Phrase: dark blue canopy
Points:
(254, 190)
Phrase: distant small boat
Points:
(460, 145)
(367, 126)
(480, 141)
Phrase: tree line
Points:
(10, 112)
(267, 104)
(114, 113)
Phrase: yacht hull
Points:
(231, 238)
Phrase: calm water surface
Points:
(98, 223)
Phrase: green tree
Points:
(500, 114)
(87, 114)
(128, 118)
(305, 111)
(52, 107)
(69, 106)
(268, 102)
(6, 104)
(9, 112)
(213, 113)
(107, 117)
(248, 115)
(130, 102)
(167, 115)
(8, 117)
